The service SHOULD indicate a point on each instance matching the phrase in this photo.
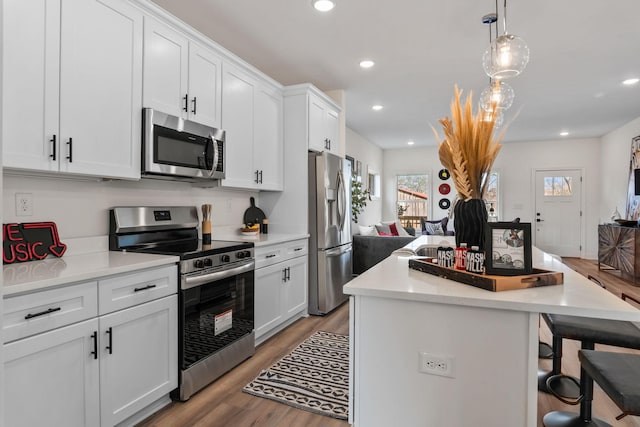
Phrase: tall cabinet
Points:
(74, 68)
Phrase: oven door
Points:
(216, 311)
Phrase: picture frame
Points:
(508, 248)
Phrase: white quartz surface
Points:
(259, 239)
(51, 272)
(392, 278)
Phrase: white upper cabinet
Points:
(252, 120)
(73, 69)
(181, 77)
(324, 125)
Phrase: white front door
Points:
(558, 212)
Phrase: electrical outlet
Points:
(24, 204)
(436, 365)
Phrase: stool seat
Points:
(618, 333)
(618, 374)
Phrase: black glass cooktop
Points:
(194, 248)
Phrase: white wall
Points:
(80, 208)
(615, 155)
(516, 163)
(371, 157)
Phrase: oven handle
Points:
(193, 281)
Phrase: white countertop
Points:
(392, 278)
(259, 239)
(50, 272)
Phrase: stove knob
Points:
(240, 254)
(225, 258)
(208, 262)
(198, 263)
(247, 254)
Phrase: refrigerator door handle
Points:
(342, 201)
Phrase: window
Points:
(412, 199)
(558, 186)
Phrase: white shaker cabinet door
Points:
(101, 88)
(31, 84)
(269, 282)
(138, 358)
(205, 81)
(166, 54)
(268, 140)
(295, 295)
(332, 129)
(317, 135)
(52, 379)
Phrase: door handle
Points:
(539, 220)
(288, 273)
(194, 105)
(186, 102)
(70, 156)
(284, 274)
(94, 337)
(110, 346)
(53, 154)
(260, 177)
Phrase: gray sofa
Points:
(370, 250)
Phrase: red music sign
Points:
(30, 241)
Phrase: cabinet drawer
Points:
(269, 255)
(31, 314)
(124, 291)
(297, 248)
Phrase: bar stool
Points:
(618, 374)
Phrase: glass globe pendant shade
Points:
(498, 93)
(488, 115)
(506, 57)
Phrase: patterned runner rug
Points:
(313, 377)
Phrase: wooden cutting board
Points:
(253, 214)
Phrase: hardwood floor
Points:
(224, 404)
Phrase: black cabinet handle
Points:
(260, 178)
(288, 273)
(284, 274)
(194, 105)
(53, 154)
(94, 337)
(70, 156)
(144, 288)
(257, 181)
(42, 313)
(270, 256)
(110, 346)
(297, 249)
(186, 102)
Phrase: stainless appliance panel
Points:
(330, 194)
(333, 268)
(153, 218)
(188, 132)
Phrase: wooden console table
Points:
(619, 248)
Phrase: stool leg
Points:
(586, 387)
(557, 355)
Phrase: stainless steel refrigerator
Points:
(330, 257)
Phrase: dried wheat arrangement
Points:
(469, 146)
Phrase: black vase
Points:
(469, 220)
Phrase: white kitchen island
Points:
(488, 341)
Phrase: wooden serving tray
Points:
(538, 278)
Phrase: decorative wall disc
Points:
(444, 203)
(444, 174)
(444, 188)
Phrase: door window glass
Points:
(558, 186)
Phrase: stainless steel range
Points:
(216, 298)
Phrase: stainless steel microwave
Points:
(176, 148)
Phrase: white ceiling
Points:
(581, 51)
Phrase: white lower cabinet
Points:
(99, 371)
(52, 379)
(138, 360)
(280, 287)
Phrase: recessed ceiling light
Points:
(410, 143)
(367, 63)
(323, 5)
(377, 107)
(630, 82)
(564, 133)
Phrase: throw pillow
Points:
(383, 230)
(393, 229)
(434, 229)
(367, 230)
(443, 223)
(399, 227)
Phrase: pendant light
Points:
(507, 55)
(323, 5)
(498, 93)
